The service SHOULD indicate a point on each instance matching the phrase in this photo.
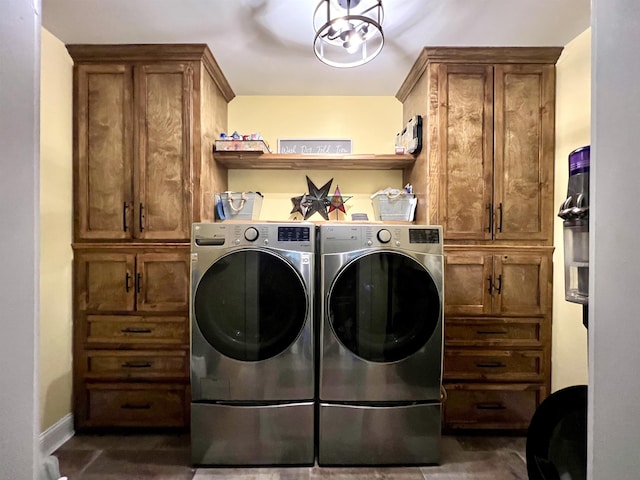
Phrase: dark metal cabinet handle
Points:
(141, 217)
(499, 287)
(500, 220)
(490, 282)
(490, 406)
(490, 365)
(490, 209)
(125, 207)
(139, 283)
(135, 330)
(136, 365)
(136, 406)
(127, 282)
(491, 332)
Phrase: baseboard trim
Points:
(58, 433)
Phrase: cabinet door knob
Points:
(500, 218)
(127, 281)
(490, 282)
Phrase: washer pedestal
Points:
(231, 435)
(379, 435)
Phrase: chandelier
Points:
(348, 32)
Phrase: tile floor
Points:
(167, 457)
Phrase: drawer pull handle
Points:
(136, 365)
(136, 406)
(490, 365)
(491, 332)
(135, 330)
(490, 406)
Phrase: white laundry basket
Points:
(393, 207)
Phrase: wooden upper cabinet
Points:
(134, 145)
(163, 134)
(485, 172)
(503, 282)
(104, 152)
(496, 148)
(466, 150)
(524, 132)
(145, 121)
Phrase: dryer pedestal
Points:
(379, 435)
(232, 435)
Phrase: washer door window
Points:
(250, 305)
(384, 307)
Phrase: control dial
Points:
(384, 235)
(251, 234)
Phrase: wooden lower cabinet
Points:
(134, 405)
(491, 406)
(131, 336)
(497, 335)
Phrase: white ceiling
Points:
(264, 47)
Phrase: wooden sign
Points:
(315, 146)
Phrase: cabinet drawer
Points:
(136, 405)
(493, 332)
(114, 330)
(137, 364)
(491, 406)
(511, 365)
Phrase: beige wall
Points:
(573, 111)
(370, 122)
(55, 231)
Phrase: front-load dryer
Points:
(380, 344)
(252, 343)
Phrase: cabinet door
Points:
(468, 283)
(522, 284)
(162, 282)
(466, 149)
(163, 135)
(524, 152)
(103, 180)
(105, 281)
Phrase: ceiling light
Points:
(348, 32)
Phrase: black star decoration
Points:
(317, 200)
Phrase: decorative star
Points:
(337, 202)
(300, 204)
(317, 199)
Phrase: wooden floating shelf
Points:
(282, 161)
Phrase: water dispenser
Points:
(575, 213)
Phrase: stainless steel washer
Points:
(252, 343)
(380, 353)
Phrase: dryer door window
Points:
(250, 305)
(384, 307)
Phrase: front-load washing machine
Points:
(380, 344)
(252, 343)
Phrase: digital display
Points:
(294, 234)
(424, 235)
